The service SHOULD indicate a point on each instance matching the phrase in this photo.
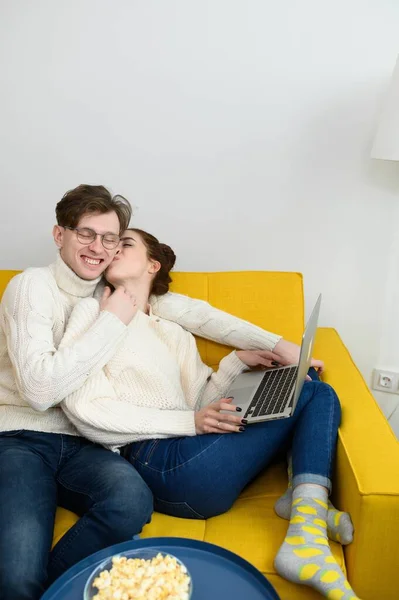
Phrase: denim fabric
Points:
(201, 476)
(39, 471)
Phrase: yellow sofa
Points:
(367, 467)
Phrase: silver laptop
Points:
(274, 394)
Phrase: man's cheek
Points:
(109, 260)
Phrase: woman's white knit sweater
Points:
(36, 374)
(150, 387)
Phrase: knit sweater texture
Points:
(152, 385)
(37, 373)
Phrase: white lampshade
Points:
(386, 142)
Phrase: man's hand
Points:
(288, 354)
(120, 303)
(211, 420)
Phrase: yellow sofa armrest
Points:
(366, 483)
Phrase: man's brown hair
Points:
(86, 199)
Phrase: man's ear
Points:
(155, 265)
(58, 235)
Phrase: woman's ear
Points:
(58, 235)
(154, 267)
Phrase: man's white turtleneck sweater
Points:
(36, 374)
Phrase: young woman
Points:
(162, 405)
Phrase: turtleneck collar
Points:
(69, 282)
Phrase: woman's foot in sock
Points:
(283, 504)
(339, 524)
(305, 556)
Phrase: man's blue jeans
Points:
(200, 477)
(39, 471)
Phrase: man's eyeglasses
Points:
(87, 236)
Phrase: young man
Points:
(43, 460)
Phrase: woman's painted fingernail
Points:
(244, 421)
(275, 364)
(238, 408)
(241, 429)
(230, 398)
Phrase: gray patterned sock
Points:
(339, 524)
(305, 557)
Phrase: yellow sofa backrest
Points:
(5, 277)
(272, 300)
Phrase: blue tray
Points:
(216, 572)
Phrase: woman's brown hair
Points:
(86, 199)
(164, 255)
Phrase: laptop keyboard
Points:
(273, 393)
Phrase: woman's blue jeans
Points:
(200, 477)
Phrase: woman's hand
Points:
(264, 358)
(259, 358)
(211, 420)
(288, 354)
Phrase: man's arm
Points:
(43, 374)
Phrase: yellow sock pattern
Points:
(339, 524)
(305, 556)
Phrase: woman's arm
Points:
(100, 416)
(287, 353)
(201, 385)
(202, 319)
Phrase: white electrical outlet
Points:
(386, 381)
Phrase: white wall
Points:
(240, 130)
(388, 357)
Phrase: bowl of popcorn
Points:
(144, 574)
